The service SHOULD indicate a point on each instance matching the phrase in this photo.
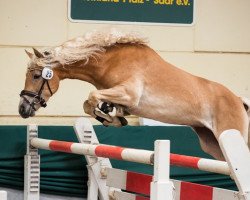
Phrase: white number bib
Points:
(47, 73)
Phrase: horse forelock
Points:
(49, 59)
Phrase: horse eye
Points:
(36, 76)
(46, 53)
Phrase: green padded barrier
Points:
(66, 174)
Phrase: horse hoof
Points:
(106, 107)
(123, 121)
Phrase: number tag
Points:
(47, 73)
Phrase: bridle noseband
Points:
(47, 74)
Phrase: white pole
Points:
(3, 195)
(237, 155)
(161, 187)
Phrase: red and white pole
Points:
(106, 151)
(203, 164)
(128, 154)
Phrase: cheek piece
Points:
(47, 74)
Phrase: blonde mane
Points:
(89, 45)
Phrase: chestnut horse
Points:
(131, 78)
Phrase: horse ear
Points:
(29, 54)
(37, 53)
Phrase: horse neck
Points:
(81, 71)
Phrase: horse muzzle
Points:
(25, 109)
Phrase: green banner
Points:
(142, 11)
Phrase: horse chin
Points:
(33, 113)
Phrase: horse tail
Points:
(246, 103)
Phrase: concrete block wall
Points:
(217, 47)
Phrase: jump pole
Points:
(128, 154)
(135, 184)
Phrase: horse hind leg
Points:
(209, 143)
(225, 119)
(230, 114)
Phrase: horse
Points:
(132, 79)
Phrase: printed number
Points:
(49, 74)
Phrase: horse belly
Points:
(168, 111)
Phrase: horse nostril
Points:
(21, 109)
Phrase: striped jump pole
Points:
(128, 154)
(139, 185)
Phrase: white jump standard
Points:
(161, 187)
(31, 167)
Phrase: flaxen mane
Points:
(87, 46)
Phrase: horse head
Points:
(42, 81)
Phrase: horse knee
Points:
(93, 98)
(88, 109)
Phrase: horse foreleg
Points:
(126, 95)
(122, 96)
(105, 119)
